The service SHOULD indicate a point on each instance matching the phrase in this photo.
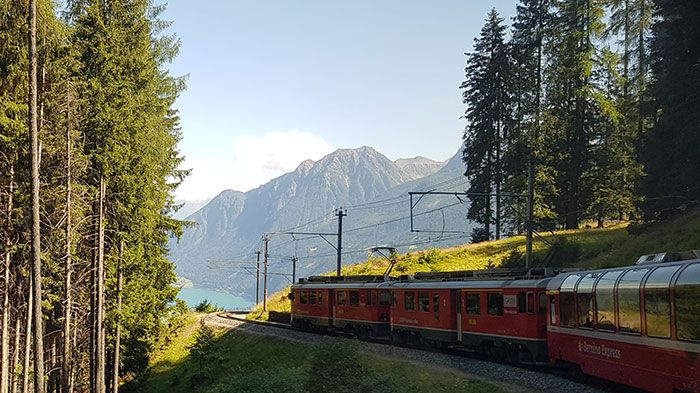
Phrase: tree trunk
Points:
(67, 368)
(641, 80)
(36, 230)
(5, 347)
(99, 328)
(15, 357)
(117, 340)
(27, 341)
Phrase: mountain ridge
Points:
(229, 228)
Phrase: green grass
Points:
(590, 248)
(240, 362)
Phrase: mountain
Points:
(189, 207)
(218, 251)
(419, 166)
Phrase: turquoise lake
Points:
(194, 295)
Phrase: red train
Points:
(637, 325)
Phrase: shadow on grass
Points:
(234, 361)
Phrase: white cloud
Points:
(249, 161)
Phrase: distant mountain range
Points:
(219, 250)
(189, 207)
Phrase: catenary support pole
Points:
(340, 213)
(530, 213)
(257, 279)
(266, 240)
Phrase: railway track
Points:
(510, 377)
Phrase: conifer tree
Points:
(487, 96)
(570, 118)
(531, 27)
(669, 150)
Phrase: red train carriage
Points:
(501, 312)
(354, 304)
(637, 325)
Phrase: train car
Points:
(501, 312)
(358, 305)
(637, 325)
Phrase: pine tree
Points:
(614, 171)
(571, 109)
(669, 149)
(486, 94)
(531, 27)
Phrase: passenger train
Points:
(637, 325)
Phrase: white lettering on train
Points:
(600, 350)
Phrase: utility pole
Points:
(257, 279)
(266, 239)
(530, 212)
(294, 269)
(340, 213)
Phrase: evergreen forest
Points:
(88, 161)
(595, 103)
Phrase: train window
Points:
(384, 298)
(436, 305)
(342, 298)
(312, 297)
(584, 301)
(394, 301)
(473, 303)
(531, 302)
(628, 301)
(424, 301)
(567, 307)
(605, 300)
(495, 303)
(657, 301)
(542, 302)
(370, 295)
(522, 303)
(354, 298)
(304, 296)
(687, 299)
(552, 310)
(409, 301)
(320, 297)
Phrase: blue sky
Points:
(272, 83)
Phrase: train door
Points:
(457, 301)
(331, 304)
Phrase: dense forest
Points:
(88, 160)
(595, 103)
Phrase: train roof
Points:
(344, 282)
(466, 279)
(556, 282)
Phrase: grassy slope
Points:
(240, 362)
(585, 248)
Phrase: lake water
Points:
(194, 295)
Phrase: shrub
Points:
(480, 235)
(429, 257)
(207, 307)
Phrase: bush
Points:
(480, 235)
(207, 307)
(429, 257)
(200, 352)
